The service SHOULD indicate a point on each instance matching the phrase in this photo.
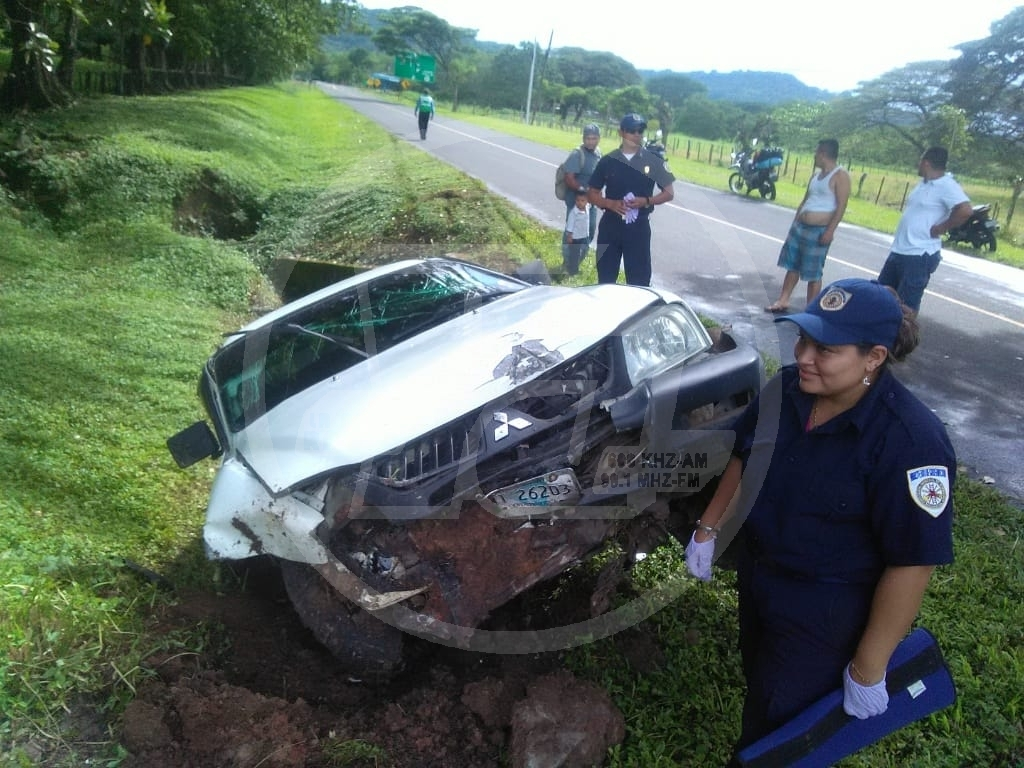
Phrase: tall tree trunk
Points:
(69, 51)
(29, 84)
(1018, 187)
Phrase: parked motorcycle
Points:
(756, 169)
(656, 145)
(979, 230)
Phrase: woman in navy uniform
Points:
(628, 176)
(843, 481)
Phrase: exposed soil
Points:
(273, 697)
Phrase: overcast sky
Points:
(830, 45)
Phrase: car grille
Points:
(547, 397)
(441, 448)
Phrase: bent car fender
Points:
(244, 520)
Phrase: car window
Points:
(267, 365)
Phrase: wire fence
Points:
(884, 187)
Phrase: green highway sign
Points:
(415, 66)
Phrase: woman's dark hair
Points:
(907, 338)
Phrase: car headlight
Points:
(666, 338)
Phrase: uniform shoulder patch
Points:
(929, 488)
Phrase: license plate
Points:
(554, 489)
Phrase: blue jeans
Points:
(909, 275)
(567, 253)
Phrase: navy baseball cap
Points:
(633, 122)
(851, 311)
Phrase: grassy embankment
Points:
(109, 309)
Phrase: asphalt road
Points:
(718, 250)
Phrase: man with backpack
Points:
(578, 167)
(424, 110)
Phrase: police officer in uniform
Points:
(843, 482)
(627, 176)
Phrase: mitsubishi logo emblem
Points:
(501, 431)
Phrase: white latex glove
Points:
(863, 701)
(699, 556)
(631, 213)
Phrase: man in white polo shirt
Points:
(935, 206)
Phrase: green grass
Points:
(110, 309)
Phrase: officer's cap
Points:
(851, 311)
(591, 129)
(633, 122)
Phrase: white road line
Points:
(943, 297)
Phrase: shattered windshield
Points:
(269, 364)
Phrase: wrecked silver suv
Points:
(420, 443)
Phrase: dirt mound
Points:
(276, 698)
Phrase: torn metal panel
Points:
(244, 520)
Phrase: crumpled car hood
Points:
(430, 380)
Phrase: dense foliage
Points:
(151, 45)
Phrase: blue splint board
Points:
(918, 682)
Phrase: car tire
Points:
(362, 644)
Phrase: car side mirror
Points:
(193, 444)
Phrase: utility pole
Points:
(529, 88)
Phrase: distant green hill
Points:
(747, 87)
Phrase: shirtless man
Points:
(814, 226)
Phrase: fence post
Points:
(688, 142)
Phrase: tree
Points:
(632, 99)
(988, 80)
(587, 69)
(664, 113)
(909, 104)
(988, 83)
(707, 119)
(193, 37)
(674, 88)
(501, 81)
(575, 100)
(412, 29)
(459, 71)
(31, 82)
(800, 124)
